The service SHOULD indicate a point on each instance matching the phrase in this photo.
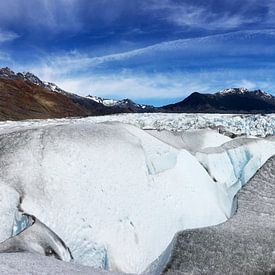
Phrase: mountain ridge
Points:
(232, 100)
(25, 96)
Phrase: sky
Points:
(152, 51)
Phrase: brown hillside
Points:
(20, 99)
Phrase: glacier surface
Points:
(116, 194)
(248, 125)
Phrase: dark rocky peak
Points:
(32, 78)
(263, 94)
(26, 76)
(7, 73)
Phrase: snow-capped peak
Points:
(104, 101)
(245, 91)
(27, 76)
(32, 78)
(37, 81)
(52, 86)
(120, 103)
(234, 91)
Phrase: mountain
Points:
(25, 96)
(234, 100)
(126, 104)
(22, 99)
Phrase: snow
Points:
(234, 90)
(110, 102)
(244, 91)
(51, 86)
(113, 102)
(104, 101)
(116, 194)
(95, 98)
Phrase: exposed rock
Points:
(242, 245)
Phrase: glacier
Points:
(116, 192)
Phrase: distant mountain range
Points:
(234, 100)
(25, 96)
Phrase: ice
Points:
(235, 162)
(37, 238)
(159, 156)
(9, 199)
(91, 185)
(116, 194)
(21, 222)
(249, 125)
(191, 140)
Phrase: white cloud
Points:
(247, 84)
(142, 86)
(6, 36)
(83, 74)
(159, 86)
(131, 86)
(72, 16)
(34, 14)
(75, 62)
(202, 16)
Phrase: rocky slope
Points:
(25, 96)
(20, 100)
(30, 263)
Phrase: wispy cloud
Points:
(101, 46)
(133, 86)
(214, 15)
(6, 36)
(185, 49)
(74, 16)
(124, 74)
(140, 86)
(36, 14)
(71, 16)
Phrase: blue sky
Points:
(153, 51)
